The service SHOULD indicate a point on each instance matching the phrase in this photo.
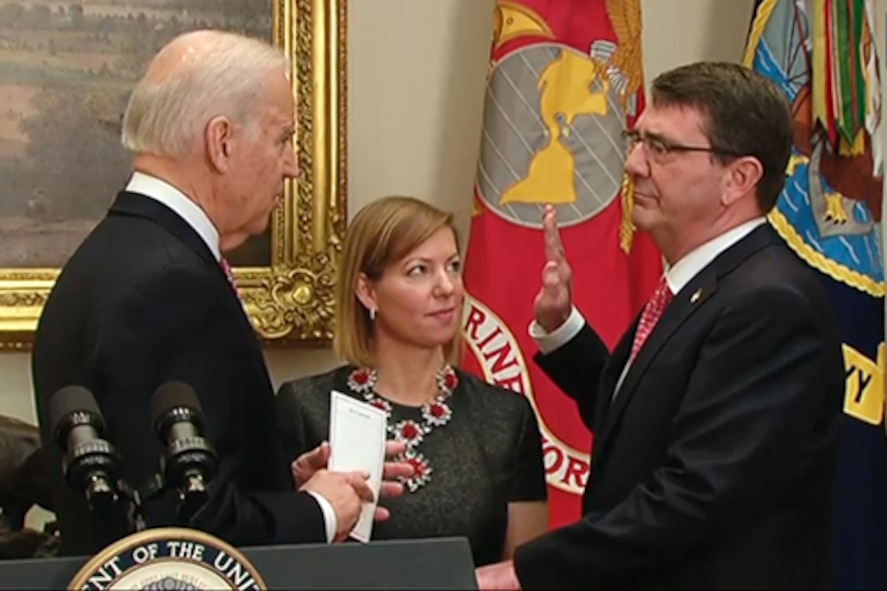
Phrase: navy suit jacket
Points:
(714, 464)
(141, 302)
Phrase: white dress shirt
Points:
(185, 208)
(677, 276)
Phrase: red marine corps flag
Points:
(565, 80)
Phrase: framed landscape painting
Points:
(66, 71)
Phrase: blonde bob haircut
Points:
(380, 234)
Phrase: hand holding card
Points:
(357, 442)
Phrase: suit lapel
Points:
(612, 372)
(682, 307)
(137, 205)
(134, 204)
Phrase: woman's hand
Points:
(307, 464)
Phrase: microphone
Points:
(189, 461)
(90, 463)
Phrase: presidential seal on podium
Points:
(168, 558)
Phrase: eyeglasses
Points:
(660, 148)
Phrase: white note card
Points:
(357, 442)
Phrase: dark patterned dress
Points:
(487, 455)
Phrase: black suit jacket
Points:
(713, 465)
(141, 302)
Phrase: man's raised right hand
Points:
(554, 302)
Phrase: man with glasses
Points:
(715, 418)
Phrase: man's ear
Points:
(743, 176)
(218, 139)
(365, 291)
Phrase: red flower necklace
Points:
(436, 413)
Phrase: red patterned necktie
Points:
(650, 316)
(227, 269)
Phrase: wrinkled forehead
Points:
(279, 92)
(275, 107)
(681, 123)
(268, 118)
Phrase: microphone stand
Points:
(191, 497)
(130, 508)
(119, 507)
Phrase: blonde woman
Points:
(475, 448)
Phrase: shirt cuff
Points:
(329, 516)
(549, 341)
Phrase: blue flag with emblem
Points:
(822, 54)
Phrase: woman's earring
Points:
(372, 313)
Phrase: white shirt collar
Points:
(693, 262)
(153, 187)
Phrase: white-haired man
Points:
(146, 299)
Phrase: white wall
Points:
(416, 81)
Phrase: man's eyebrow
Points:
(653, 135)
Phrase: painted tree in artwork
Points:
(66, 70)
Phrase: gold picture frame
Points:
(290, 301)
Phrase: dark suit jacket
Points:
(142, 302)
(713, 465)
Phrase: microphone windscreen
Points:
(68, 400)
(173, 395)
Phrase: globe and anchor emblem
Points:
(554, 116)
(552, 133)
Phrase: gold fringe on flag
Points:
(626, 227)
